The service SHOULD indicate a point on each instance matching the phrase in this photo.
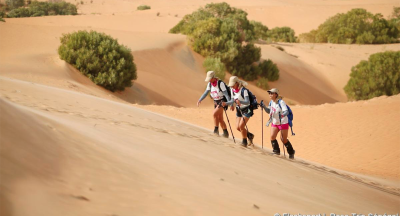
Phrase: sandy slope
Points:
(83, 155)
(342, 135)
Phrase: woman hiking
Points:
(219, 92)
(240, 96)
(278, 112)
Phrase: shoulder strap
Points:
(279, 103)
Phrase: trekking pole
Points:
(283, 146)
(229, 126)
(262, 126)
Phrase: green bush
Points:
(260, 30)
(223, 32)
(2, 15)
(215, 64)
(99, 57)
(380, 75)
(36, 9)
(263, 83)
(269, 70)
(281, 34)
(12, 4)
(143, 7)
(356, 26)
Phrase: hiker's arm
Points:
(204, 95)
(268, 110)
(246, 100)
(285, 110)
(230, 101)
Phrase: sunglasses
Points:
(271, 93)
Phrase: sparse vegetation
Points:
(223, 32)
(281, 34)
(99, 57)
(143, 7)
(215, 64)
(2, 15)
(13, 4)
(356, 26)
(380, 75)
(36, 9)
(158, 13)
(260, 30)
(280, 48)
(278, 34)
(263, 83)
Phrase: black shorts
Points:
(247, 112)
(216, 102)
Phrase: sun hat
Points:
(233, 80)
(274, 90)
(210, 75)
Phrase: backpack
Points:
(228, 89)
(290, 115)
(253, 99)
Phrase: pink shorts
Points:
(281, 127)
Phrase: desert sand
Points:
(69, 147)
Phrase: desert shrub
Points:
(356, 26)
(395, 18)
(99, 57)
(280, 48)
(143, 7)
(269, 70)
(36, 9)
(223, 32)
(2, 15)
(263, 83)
(281, 34)
(396, 13)
(12, 4)
(215, 64)
(380, 75)
(260, 30)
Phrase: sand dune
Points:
(69, 147)
(80, 153)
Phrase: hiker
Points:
(278, 112)
(219, 92)
(240, 96)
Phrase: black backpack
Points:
(226, 86)
(253, 99)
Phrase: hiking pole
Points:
(262, 127)
(220, 104)
(283, 146)
(229, 126)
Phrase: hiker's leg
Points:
(274, 142)
(215, 116)
(242, 126)
(284, 135)
(274, 132)
(220, 113)
(238, 119)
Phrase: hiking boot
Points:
(275, 147)
(291, 156)
(226, 134)
(216, 131)
(290, 149)
(244, 142)
(251, 137)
